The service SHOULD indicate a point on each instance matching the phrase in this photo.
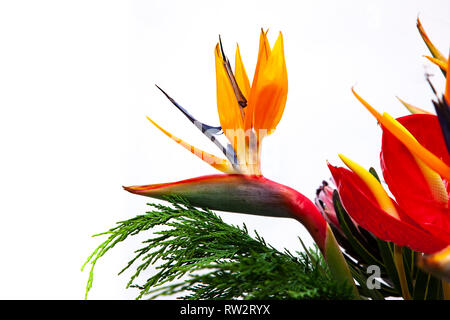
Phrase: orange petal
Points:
(229, 111)
(421, 153)
(441, 64)
(434, 51)
(371, 109)
(263, 55)
(241, 75)
(216, 162)
(269, 93)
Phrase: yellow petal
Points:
(413, 109)
(374, 186)
(241, 75)
(216, 162)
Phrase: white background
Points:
(77, 80)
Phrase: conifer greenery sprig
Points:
(218, 260)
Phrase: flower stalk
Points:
(446, 289)
(398, 259)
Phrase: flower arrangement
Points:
(356, 225)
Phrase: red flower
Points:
(415, 163)
(361, 205)
(420, 216)
(425, 199)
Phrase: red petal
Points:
(405, 179)
(360, 204)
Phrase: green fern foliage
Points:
(198, 256)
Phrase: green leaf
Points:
(374, 173)
(427, 287)
(409, 265)
(387, 255)
(337, 263)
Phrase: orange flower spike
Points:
(263, 56)
(269, 90)
(274, 83)
(434, 51)
(230, 115)
(371, 109)
(421, 153)
(241, 75)
(441, 64)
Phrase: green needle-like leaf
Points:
(199, 256)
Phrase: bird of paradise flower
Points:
(247, 114)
